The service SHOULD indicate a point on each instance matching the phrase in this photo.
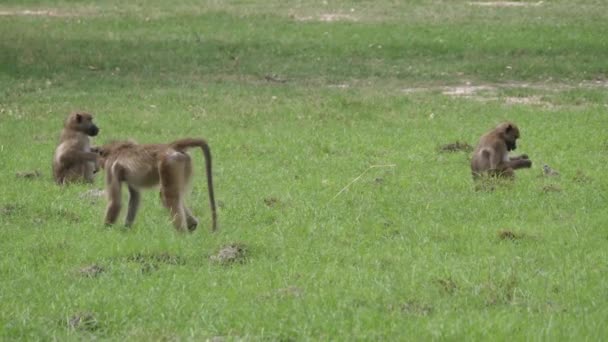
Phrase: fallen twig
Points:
(359, 176)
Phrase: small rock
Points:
(549, 172)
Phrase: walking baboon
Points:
(491, 155)
(147, 165)
(73, 160)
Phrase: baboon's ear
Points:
(78, 118)
(509, 128)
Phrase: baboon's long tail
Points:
(182, 145)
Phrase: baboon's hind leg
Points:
(172, 182)
(191, 220)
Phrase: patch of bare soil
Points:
(28, 174)
(274, 78)
(491, 91)
(339, 86)
(91, 271)
(527, 100)
(231, 254)
(505, 3)
(83, 321)
(40, 13)
(325, 17)
(467, 90)
(456, 147)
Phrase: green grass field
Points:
(325, 120)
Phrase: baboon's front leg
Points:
(520, 164)
(523, 156)
(134, 199)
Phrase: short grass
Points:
(325, 120)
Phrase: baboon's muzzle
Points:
(511, 145)
(93, 130)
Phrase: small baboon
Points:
(147, 165)
(491, 155)
(73, 160)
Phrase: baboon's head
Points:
(509, 133)
(82, 122)
(102, 152)
(112, 148)
(100, 160)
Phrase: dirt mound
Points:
(231, 254)
(83, 321)
(456, 147)
(28, 174)
(271, 201)
(507, 234)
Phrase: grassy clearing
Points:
(295, 108)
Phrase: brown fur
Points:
(491, 156)
(143, 166)
(73, 160)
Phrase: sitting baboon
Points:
(73, 160)
(491, 156)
